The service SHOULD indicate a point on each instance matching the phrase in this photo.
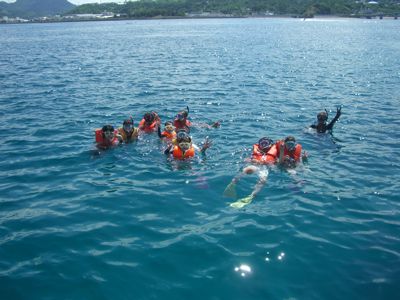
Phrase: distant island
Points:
(29, 9)
(62, 10)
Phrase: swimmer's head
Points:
(168, 126)
(264, 144)
(128, 125)
(182, 115)
(149, 117)
(185, 113)
(182, 135)
(290, 143)
(108, 132)
(184, 140)
(322, 117)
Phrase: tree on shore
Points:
(165, 8)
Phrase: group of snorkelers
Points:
(176, 134)
(286, 153)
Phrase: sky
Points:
(79, 2)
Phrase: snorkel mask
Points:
(265, 144)
(290, 145)
(184, 145)
(181, 116)
(128, 125)
(184, 140)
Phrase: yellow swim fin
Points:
(242, 202)
(230, 190)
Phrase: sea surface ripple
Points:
(130, 224)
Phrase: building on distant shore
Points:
(6, 19)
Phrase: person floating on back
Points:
(127, 133)
(264, 154)
(169, 134)
(322, 118)
(183, 148)
(106, 137)
(150, 122)
(289, 152)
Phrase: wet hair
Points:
(290, 138)
(322, 116)
(168, 123)
(149, 117)
(128, 122)
(183, 136)
(107, 128)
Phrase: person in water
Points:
(181, 121)
(289, 152)
(150, 122)
(322, 118)
(183, 148)
(168, 134)
(106, 137)
(264, 154)
(127, 133)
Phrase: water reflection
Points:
(243, 270)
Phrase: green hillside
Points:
(307, 8)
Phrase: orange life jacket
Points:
(181, 125)
(168, 135)
(295, 154)
(103, 143)
(179, 154)
(264, 158)
(147, 128)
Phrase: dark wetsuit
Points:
(323, 127)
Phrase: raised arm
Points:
(338, 113)
(207, 144)
(160, 135)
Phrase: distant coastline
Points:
(58, 19)
(50, 11)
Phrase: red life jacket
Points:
(181, 124)
(103, 143)
(295, 154)
(179, 154)
(147, 128)
(264, 158)
(168, 135)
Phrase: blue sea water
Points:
(130, 224)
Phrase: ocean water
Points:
(130, 224)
